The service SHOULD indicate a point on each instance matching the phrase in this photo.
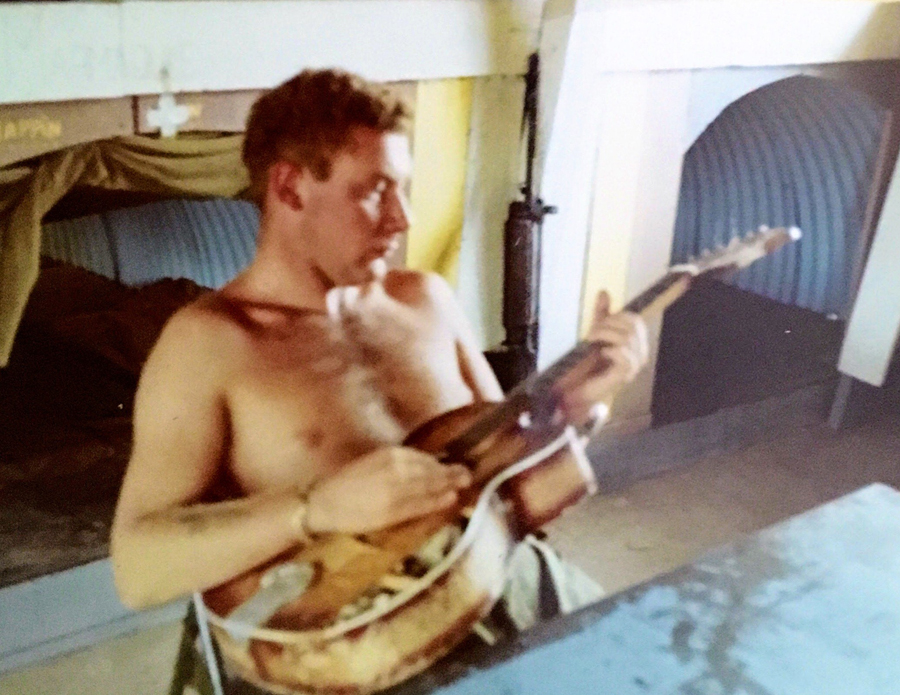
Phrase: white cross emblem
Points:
(168, 116)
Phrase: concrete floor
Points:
(620, 539)
(661, 523)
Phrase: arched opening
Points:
(122, 246)
(801, 151)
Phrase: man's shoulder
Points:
(203, 327)
(422, 290)
(196, 352)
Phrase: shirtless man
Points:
(273, 409)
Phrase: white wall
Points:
(875, 321)
(569, 118)
(55, 51)
(713, 90)
(643, 133)
(494, 174)
(692, 34)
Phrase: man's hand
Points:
(383, 488)
(627, 350)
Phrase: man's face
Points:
(356, 216)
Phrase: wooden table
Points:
(809, 606)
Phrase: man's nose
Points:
(396, 215)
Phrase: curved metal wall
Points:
(82, 242)
(207, 241)
(801, 151)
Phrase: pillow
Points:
(83, 340)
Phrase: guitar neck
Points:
(651, 302)
(535, 394)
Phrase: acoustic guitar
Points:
(356, 614)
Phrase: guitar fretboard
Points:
(535, 394)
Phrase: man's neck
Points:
(278, 277)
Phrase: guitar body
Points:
(382, 649)
(303, 648)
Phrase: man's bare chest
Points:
(320, 391)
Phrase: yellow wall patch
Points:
(441, 142)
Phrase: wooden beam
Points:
(215, 111)
(226, 111)
(29, 130)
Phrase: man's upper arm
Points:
(473, 365)
(179, 420)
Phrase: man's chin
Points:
(373, 271)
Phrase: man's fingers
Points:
(641, 339)
(404, 463)
(624, 363)
(460, 476)
(408, 463)
(383, 488)
(626, 324)
(594, 390)
(419, 474)
(611, 336)
(624, 330)
(601, 308)
(421, 465)
(421, 505)
(440, 482)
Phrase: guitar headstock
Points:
(741, 251)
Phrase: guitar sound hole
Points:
(414, 567)
(407, 572)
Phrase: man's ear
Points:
(284, 184)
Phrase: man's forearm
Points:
(159, 557)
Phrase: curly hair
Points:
(309, 118)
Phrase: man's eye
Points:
(376, 192)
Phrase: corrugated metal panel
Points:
(82, 242)
(801, 152)
(207, 241)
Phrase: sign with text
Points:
(28, 130)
